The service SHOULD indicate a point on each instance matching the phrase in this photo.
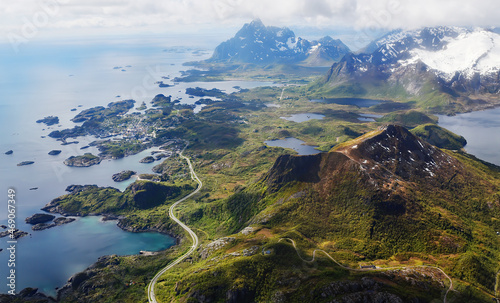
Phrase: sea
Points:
(53, 78)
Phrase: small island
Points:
(41, 221)
(148, 159)
(54, 152)
(142, 107)
(123, 176)
(57, 222)
(86, 160)
(206, 101)
(25, 163)
(9, 152)
(201, 92)
(15, 235)
(50, 120)
(39, 218)
(162, 84)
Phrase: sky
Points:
(29, 19)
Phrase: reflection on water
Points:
(295, 144)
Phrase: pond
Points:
(303, 117)
(368, 117)
(295, 144)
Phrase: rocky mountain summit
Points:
(257, 43)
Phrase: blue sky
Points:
(47, 18)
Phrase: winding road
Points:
(369, 269)
(194, 237)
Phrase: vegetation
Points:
(439, 136)
(200, 92)
(321, 202)
(410, 118)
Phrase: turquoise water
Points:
(48, 258)
(51, 79)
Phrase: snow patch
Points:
(470, 53)
(314, 48)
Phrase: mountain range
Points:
(257, 43)
(443, 67)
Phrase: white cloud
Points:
(93, 15)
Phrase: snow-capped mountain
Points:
(445, 50)
(458, 62)
(470, 53)
(257, 43)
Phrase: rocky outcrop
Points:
(54, 152)
(50, 120)
(39, 218)
(82, 161)
(24, 163)
(16, 234)
(27, 295)
(57, 222)
(148, 159)
(123, 176)
(215, 245)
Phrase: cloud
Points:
(361, 14)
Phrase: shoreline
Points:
(103, 218)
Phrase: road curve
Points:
(370, 269)
(152, 284)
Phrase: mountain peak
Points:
(393, 149)
(258, 43)
(256, 23)
(389, 154)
